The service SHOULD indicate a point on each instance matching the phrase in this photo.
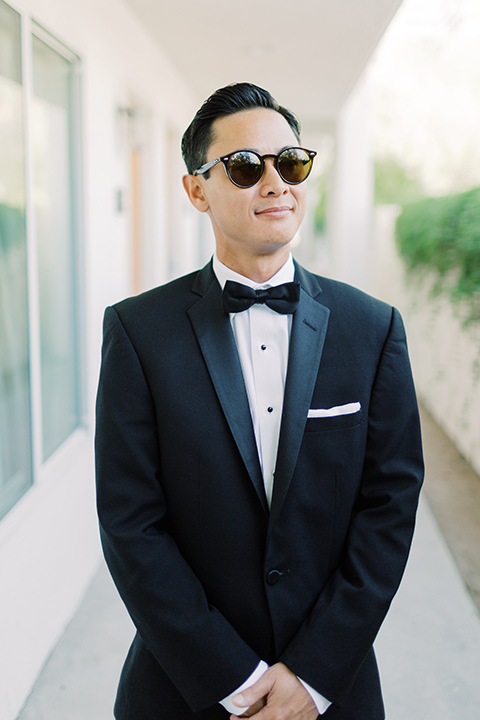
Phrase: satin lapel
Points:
(214, 333)
(309, 329)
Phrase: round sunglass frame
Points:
(225, 159)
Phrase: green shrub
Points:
(443, 234)
(394, 184)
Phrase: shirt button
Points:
(270, 409)
(263, 347)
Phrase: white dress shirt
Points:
(262, 337)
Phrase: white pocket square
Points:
(347, 409)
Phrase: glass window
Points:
(55, 222)
(55, 360)
(15, 420)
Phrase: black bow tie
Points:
(281, 298)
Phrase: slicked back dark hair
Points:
(226, 101)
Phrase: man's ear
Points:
(193, 188)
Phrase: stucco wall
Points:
(445, 355)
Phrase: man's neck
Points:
(260, 269)
(286, 274)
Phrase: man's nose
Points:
(271, 181)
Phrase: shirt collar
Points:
(224, 273)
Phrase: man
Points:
(258, 453)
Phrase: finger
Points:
(255, 708)
(254, 693)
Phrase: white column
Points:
(352, 197)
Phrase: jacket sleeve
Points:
(332, 643)
(197, 648)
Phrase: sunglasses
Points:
(245, 167)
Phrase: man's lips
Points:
(274, 210)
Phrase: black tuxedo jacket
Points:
(213, 579)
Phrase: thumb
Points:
(255, 692)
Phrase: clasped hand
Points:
(277, 695)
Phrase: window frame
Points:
(41, 466)
(43, 470)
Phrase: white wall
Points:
(350, 211)
(49, 545)
(445, 355)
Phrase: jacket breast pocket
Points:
(337, 422)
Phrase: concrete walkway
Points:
(428, 648)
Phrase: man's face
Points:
(260, 220)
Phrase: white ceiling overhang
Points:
(308, 53)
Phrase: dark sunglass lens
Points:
(244, 169)
(294, 165)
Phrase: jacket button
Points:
(273, 577)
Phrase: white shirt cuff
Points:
(321, 703)
(256, 675)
